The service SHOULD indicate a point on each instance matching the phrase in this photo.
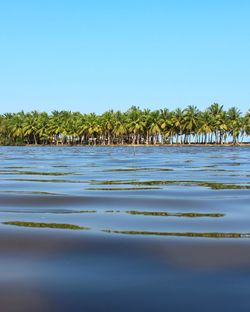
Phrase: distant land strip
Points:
(135, 127)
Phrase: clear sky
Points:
(94, 55)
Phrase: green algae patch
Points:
(45, 180)
(183, 234)
(133, 182)
(121, 188)
(42, 173)
(137, 169)
(30, 192)
(46, 225)
(223, 186)
(40, 211)
(211, 185)
(15, 167)
(168, 214)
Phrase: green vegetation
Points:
(45, 180)
(121, 188)
(212, 185)
(135, 126)
(29, 192)
(137, 169)
(134, 182)
(179, 214)
(57, 211)
(46, 225)
(35, 173)
(184, 234)
(222, 186)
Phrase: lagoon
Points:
(123, 228)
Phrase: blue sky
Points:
(96, 55)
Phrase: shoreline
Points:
(247, 144)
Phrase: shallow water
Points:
(123, 228)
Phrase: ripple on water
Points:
(150, 224)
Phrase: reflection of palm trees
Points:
(135, 126)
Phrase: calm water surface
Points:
(125, 229)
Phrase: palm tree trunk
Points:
(138, 139)
(155, 139)
(134, 138)
(35, 139)
(180, 136)
(108, 138)
(147, 137)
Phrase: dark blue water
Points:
(125, 229)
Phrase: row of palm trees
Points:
(135, 126)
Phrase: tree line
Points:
(214, 125)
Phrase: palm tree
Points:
(247, 123)
(235, 123)
(5, 137)
(155, 128)
(93, 127)
(56, 126)
(108, 123)
(178, 124)
(214, 125)
(120, 127)
(30, 126)
(166, 124)
(205, 128)
(42, 128)
(147, 121)
(16, 126)
(191, 119)
(218, 121)
(135, 124)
